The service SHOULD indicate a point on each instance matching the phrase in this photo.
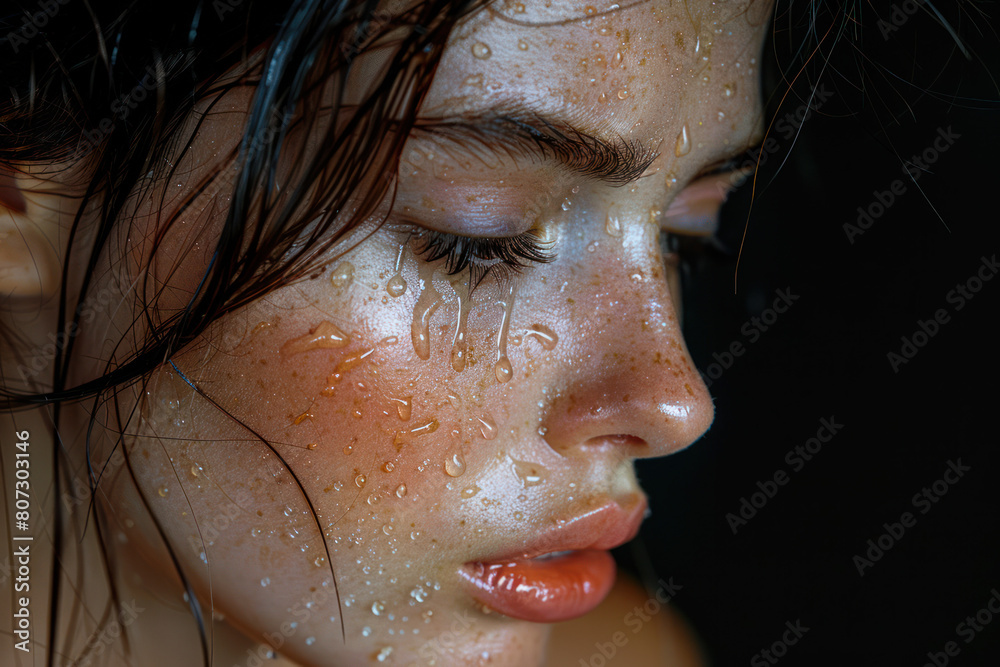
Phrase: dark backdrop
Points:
(901, 428)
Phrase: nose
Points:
(631, 384)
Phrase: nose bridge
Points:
(631, 380)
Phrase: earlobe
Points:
(29, 239)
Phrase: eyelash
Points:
(510, 254)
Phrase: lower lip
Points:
(544, 590)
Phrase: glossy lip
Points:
(605, 527)
(567, 585)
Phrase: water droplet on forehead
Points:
(487, 427)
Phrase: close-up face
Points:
(394, 447)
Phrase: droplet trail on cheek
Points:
(427, 303)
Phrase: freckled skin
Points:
(618, 385)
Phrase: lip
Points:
(564, 586)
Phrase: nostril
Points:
(619, 442)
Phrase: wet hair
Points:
(110, 84)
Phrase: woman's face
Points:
(444, 438)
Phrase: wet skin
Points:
(432, 425)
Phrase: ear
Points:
(31, 214)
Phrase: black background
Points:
(827, 357)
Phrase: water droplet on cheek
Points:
(487, 427)
(683, 146)
(343, 275)
(502, 369)
(378, 608)
(459, 344)
(360, 480)
(481, 51)
(544, 335)
(612, 225)
(427, 303)
(530, 474)
(397, 284)
(401, 491)
(163, 491)
(454, 465)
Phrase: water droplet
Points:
(397, 284)
(196, 470)
(404, 407)
(502, 368)
(401, 491)
(312, 445)
(518, 515)
(545, 336)
(523, 45)
(348, 449)
(403, 437)
(310, 641)
(383, 653)
(518, 8)
(378, 608)
(622, 94)
(366, 631)
(387, 529)
(454, 465)
(337, 486)
(360, 480)
(255, 532)
(319, 561)
(481, 51)
(470, 491)
(567, 204)
(474, 80)
(427, 303)
(613, 225)
(729, 89)
(326, 335)
(459, 344)
(487, 427)
(592, 247)
(388, 466)
(163, 491)
(342, 275)
(266, 581)
(414, 534)
(419, 594)
(683, 146)
(530, 474)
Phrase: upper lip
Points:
(606, 526)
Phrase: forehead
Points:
(639, 69)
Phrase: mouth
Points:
(563, 574)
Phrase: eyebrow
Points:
(517, 132)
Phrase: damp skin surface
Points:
(377, 427)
